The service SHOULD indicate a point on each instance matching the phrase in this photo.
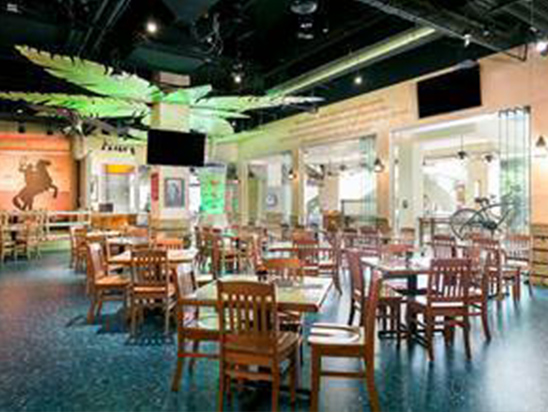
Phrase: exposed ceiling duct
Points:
(361, 58)
(188, 11)
(450, 22)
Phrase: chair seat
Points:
(331, 334)
(112, 281)
(154, 290)
(287, 341)
(422, 302)
(204, 278)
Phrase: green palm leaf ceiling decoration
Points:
(128, 95)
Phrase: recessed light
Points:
(152, 27)
(358, 80)
(238, 78)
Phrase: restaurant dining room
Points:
(285, 205)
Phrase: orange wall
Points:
(18, 149)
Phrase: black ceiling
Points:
(257, 37)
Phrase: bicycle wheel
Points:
(463, 222)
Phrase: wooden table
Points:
(399, 269)
(128, 241)
(174, 257)
(103, 233)
(307, 296)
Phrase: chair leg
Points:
(466, 330)
(429, 335)
(133, 310)
(195, 349)
(91, 311)
(371, 388)
(316, 376)
(485, 321)
(275, 387)
(222, 385)
(352, 312)
(293, 377)
(167, 317)
(179, 368)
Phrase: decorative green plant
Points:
(122, 95)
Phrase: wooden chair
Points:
(495, 269)
(78, 249)
(101, 284)
(250, 337)
(518, 260)
(479, 290)
(332, 340)
(151, 285)
(7, 245)
(444, 246)
(169, 244)
(27, 241)
(446, 303)
(194, 326)
(390, 301)
(284, 268)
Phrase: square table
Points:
(305, 296)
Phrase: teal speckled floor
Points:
(51, 360)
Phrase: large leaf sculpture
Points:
(127, 95)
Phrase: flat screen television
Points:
(457, 90)
(169, 148)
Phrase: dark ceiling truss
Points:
(455, 23)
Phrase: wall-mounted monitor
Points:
(169, 148)
(457, 90)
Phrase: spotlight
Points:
(151, 27)
(467, 39)
(378, 165)
(542, 46)
(304, 7)
(541, 148)
(238, 78)
(19, 111)
(358, 80)
(488, 158)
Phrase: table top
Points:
(173, 256)
(105, 233)
(288, 245)
(305, 296)
(398, 268)
(128, 241)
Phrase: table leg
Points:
(412, 289)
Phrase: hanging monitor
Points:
(457, 90)
(170, 148)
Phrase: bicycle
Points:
(468, 220)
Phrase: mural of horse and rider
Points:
(37, 181)
(37, 177)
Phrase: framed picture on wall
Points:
(174, 192)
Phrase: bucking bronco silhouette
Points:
(37, 180)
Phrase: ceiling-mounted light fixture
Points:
(238, 78)
(467, 39)
(542, 46)
(358, 80)
(462, 154)
(152, 27)
(541, 148)
(488, 158)
(304, 7)
(378, 165)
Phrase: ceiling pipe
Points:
(111, 20)
(95, 20)
(456, 31)
(359, 59)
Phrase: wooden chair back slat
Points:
(449, 280)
